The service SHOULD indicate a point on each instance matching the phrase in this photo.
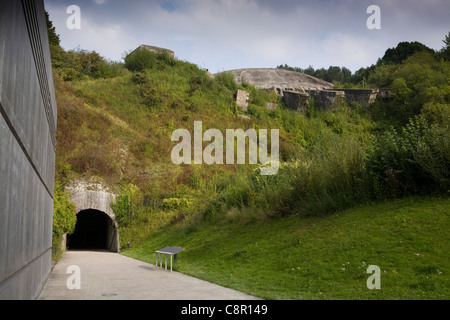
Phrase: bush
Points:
(147, 89)
(413, 161)
(433, 155)
(227, 79)
(142, 59)
(127, 205)
(328, 178)
(64, 215)
(79, 64)
(175, 203)
(323, 180)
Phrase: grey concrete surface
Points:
(27, 150)
(111, 276)
(279, 80)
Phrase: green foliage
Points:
(419, 80)
(413, 161)
(53, 38)
(332, 74)
(147, 90)
(326, 176)
(126, 205)
(319, 258)
(64, 215)
(119, 129)
(121, 208)
(445, 51)
(437, 113)
(81, 64)
(175, 203)
(402, 51)
(142, 59)
(227, 80)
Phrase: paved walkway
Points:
(107, 275)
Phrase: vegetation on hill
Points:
(115, 127)
(115, 122)
(320, 257)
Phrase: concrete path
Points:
(107, 275)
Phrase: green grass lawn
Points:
(320, 258)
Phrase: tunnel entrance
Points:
(94, 230)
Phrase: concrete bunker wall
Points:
(98, 201)
(326, 99)
(362, 96)
(295, 100)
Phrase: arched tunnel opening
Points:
(94, 230)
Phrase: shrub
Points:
(413, 161)
(227, 79)
(323, 180)
(437, 113)
(127, 205)
(175, 203)
(329, 178)
(140, 60)
(64, 215)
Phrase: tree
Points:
(445, 51)
(346, 74)
(334, 74)
(403, 50)
(53, 38)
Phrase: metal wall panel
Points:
(27, 149)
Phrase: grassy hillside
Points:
(302, 233)
(117, 131)
(320, 258)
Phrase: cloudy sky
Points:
(229, 34)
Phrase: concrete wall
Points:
(362, 96)
(279, 80)
(296, 101)
(27, 149)
(327, 99)
(242, 99)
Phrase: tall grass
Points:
(325, 179)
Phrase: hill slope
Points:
(279, 236)
(321, 258)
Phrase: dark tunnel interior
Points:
(91, 231)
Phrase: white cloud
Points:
(340, 49)
(227, 34)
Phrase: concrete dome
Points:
(279, 80)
